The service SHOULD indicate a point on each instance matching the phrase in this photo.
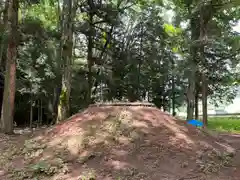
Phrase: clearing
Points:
(225, 124)
(120, 142)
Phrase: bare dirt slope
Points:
(232, 172)
(115, 143)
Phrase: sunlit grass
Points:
(225, 124)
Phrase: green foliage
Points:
(171, 30)
(44, 11)
(40, 167)
(47, 168)
(143, 53)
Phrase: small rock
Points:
(184, 165)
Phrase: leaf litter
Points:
(115, 142)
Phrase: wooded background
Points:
(59, 56)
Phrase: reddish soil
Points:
(233, 172)
(120, 143)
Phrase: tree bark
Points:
(31, 109)
(196, 105)
(31, 113)
(203, 24)
(3, 41)
(41, 112)
(190, 93)
(196, 98)
(173, 90)
(64, 101)
(204, 100)
(89, 59)
(39, 107)
(10, 76)
(193, 68)
(53, 103)
(140, 65)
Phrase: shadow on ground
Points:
(116, 143)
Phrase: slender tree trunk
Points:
(100, 70)
(190, 95)
(31, 111)
(38, 119)
(196, 99)
(89, 59)
(3, 40)
(140, 65)
(202, 36)
(10, 76)
(193, 68)
(173, 90)
(41, 112)
(196, 105)
(64, 101)
(173, 96)
(53, 106)
(204, 100)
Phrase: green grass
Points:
(224, 124)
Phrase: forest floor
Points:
(232, 172)
(120, 143)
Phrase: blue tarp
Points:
(195, 122)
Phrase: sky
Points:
(237, 27)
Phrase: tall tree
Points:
(66, 56)
(194, 26)
(10, 76)
(4, 25)
(90, 50)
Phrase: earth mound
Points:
(120, 142)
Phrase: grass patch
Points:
(224, 124)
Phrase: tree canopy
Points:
(72, 53)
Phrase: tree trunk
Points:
(196, 101)
(196, 106)
(140, 65)
(202, 36)
(41, 112)
(31, 109)
(193, 68)
(64, 101)
(100, 70)
(89, 60)
(173, 90)
(204, 100)
(173, 97)
(10, 76)
(3, 41)
(53, 105)
(190, 95)
(38, 119)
